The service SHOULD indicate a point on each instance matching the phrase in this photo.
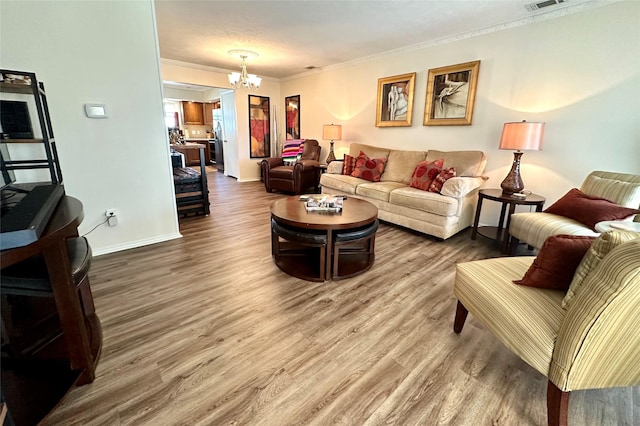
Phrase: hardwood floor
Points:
(206, 330)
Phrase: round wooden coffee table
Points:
(290, 213)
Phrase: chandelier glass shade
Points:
(242, 79)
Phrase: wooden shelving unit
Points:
(26, 83)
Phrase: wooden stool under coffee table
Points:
(291, 213)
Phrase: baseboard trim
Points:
(135, 244)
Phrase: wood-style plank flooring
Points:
(206, 330)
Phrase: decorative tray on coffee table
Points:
(323, 203)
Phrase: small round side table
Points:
(500, 233)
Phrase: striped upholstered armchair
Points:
(533, 228)
(589, 341)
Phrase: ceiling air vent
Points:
(535, 6)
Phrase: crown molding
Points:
(205, 68)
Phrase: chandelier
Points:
(243, 80)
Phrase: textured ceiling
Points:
(292, 35)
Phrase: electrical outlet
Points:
(112, 216)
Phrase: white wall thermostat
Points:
(96, 110)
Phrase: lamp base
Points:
(513, 182)
(331, 157)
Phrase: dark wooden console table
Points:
(34, 383)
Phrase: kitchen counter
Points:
(191, 151)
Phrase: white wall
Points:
(102, 52)
(579, 73)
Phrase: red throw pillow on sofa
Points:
(588, 209)
(424, 173)
(443, 176)
(556, 262)
(348, 164)
(369, 169)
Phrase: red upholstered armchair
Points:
(297, 177)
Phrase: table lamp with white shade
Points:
(332, 132)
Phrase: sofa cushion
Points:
(588, 209)
(349, 163)
(401, 164)
(524, 319)
(425, 201)
(443, 176)
(597, 251)
(556, 262)
(371, 151)
(281, 172)
(335, 166)
(378, 190)
(340, 183)
(424, 173)
(466, 163)
(620, 188)
(369, 168)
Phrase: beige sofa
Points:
(533, 228)
(592, 343)
(441, 215)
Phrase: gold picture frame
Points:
(259, 126)
(451, 95)
(292, 117)
(395, 100)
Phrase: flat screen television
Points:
(15, 120)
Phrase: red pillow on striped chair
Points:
(556, 262)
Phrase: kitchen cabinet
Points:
(208, 107)
(192, 112)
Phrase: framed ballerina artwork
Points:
(451, 94)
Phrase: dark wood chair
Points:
(28, 310)
(353, 251)
(301, 253)
(296, 178)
